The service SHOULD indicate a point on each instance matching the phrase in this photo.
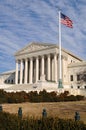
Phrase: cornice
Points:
(47, 46)
(78, 64)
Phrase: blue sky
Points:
(24, 21)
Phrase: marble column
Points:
(31, 71)
(42, 65)
(37, 69)
(16, 75)
(48, 66)
(21, 71)
(26, 71)
(55, 66)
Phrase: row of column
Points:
(24, 71)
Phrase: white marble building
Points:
(37, 65)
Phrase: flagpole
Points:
(60, 64)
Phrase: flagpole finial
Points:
(58, 8)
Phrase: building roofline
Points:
(83, 63)
(8, 72)
(48, 44)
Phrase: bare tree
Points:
(81, 77)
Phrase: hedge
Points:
(34, 96)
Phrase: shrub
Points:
(12, 122)
(33, 96)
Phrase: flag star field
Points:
(25, 21)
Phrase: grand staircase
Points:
(23, 87)
(32, 87)
(39, 87)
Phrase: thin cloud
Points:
(24, 21)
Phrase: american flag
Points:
(66, 21)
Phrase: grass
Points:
(57, 109)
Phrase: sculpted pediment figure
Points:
(33, 47)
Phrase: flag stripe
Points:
(66, 21)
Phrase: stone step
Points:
(23, 87)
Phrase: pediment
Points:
(33, 47)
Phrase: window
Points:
(12, 81)
(78, 77)
(71, 77)
(85, 87)
(8, 81)
(84, 77)
(71, 86)
(5, 81)
(78, 87)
